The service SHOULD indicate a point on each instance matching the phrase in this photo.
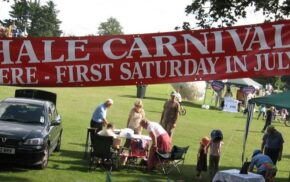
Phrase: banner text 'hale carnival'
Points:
(212, 54)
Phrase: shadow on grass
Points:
(280, 125)
(242, 116)
(286, 156)
(184, 103)
(74, 159)
(147, 98)
(78, 144)
(12, 179)
(249, 131)
(151, 176)
(190, 104)
(187, 174)
(281, 180)
(214, 108)
(128, 96)
(16, 167)
(138, 176)
(155, 98)
(151, 111)
(72, 154)
(13, 168)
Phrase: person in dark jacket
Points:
(272, 144)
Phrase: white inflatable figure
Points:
(192, 91)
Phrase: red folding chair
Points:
(138, 150)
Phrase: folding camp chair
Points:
(102, 153)
(172, 160)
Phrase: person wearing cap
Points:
(202, 157)
(178, 96)
(99, 116)
(262, 162)
(272, 144)
(170, 114)
(136, 114)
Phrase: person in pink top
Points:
(161, 141)
(215, 146)
(284, 113)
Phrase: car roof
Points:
(25, 100)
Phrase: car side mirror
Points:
(57, 120)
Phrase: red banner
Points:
(212, 54)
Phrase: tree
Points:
(19, 15)
(209, 13)
(277, 82)
(286, 80)
(44, 21)
(110, 27)
(40, 21)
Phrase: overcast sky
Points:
(82, 17)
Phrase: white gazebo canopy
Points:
(241, 82)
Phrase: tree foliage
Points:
(220, 13)
(276, 81)
(38, 20)
(110, 27)
(286, 80)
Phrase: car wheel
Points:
(44, 161)
(57, 148)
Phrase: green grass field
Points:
(77, 104)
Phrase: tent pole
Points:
(247, 127)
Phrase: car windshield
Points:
(24, 113)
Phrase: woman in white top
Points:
(137, 113)
(161, 141)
